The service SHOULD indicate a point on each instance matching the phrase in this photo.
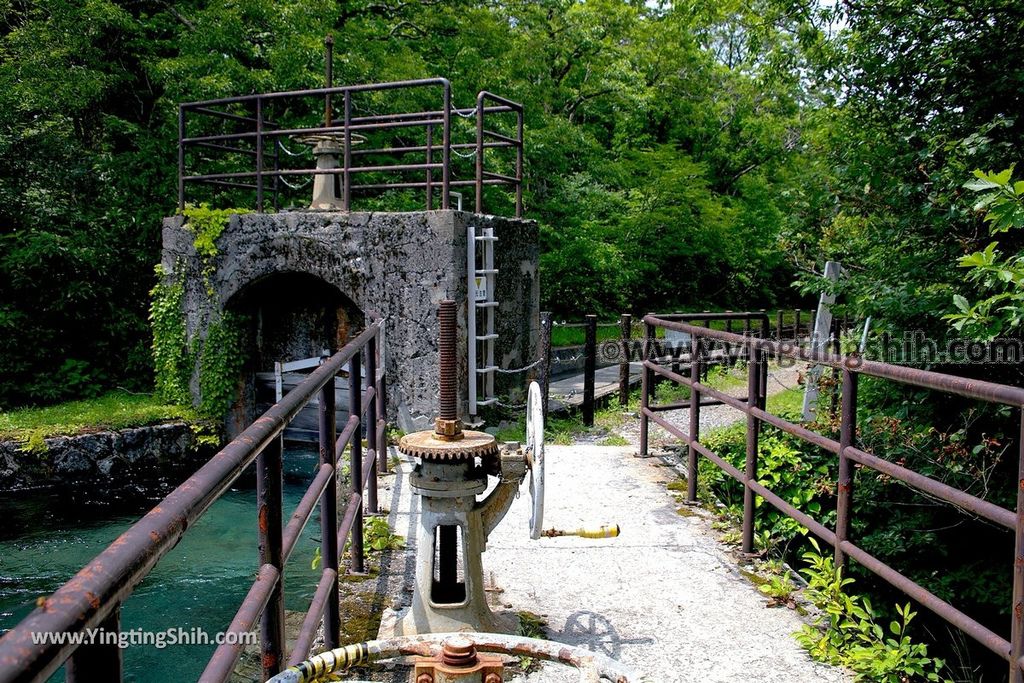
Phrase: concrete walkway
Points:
(665, 596)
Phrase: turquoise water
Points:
(45, 540)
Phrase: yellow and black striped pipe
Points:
(325, 663)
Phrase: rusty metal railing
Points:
(848, 454)
(257, 136)
(93, 597)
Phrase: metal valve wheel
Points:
(436, 647)
(535, 457)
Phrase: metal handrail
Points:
(93, 597)
(266, 165)
(851, 367)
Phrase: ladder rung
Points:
(486, 337)
(486, 304)
(482, 238)
(486, 271)
(484, 371)
(486, 401)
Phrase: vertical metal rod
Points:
(729, 356)
(479, 154)
(446, 147)
(625, 334)
(346, 175)
(545, 355)
(847, 434)
(268, 496)
(277, 176)
(371, 425)
(329, 512)
(796, 325)
(98, 661)
(753, 428)
(1017, 609)
(430, 174)
(355, 466)
(447, 370)
(181, 158)
(519, 165)
(646, 385)
(589, 368)
(328, 79)
(696, 359)
(651, 353)
(382, 401)
(259, 155)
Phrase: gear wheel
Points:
(428, 446)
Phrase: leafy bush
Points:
(847, 632)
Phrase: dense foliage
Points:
(662, 147)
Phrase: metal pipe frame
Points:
(263, 129)
(93, 597)
(757, 351)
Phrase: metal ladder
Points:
(481, 279)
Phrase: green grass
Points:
(115, 410)
(789, 402)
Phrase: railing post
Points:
(268, 497)
(329, 512)
(696, 359)
(545, 363)
(651, 353)
(589, 368)
(259, 155)
(479, 169)
(98, 661)
(625, 333)
(446, 146)
(753, 432)
(381, 400)
(355, 468)
(181, 158)
(1017, 624)
(346, 176)
(847, 435)
(796, 326)
(646, 386)
(371, 425)
(430, 160)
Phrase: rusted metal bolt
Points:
(493, 678)
(458, 652)
(424, 678)
(447, 374)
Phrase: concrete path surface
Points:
(664, 597)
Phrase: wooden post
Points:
(696, 359)
(847, 433)
(589, 368)
(753, 432)
(625, 333)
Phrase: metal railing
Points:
(851, 368)
(256, 139)
(93, 597)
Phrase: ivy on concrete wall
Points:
(221, 353)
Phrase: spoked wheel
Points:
(535, 457)
(460, 651)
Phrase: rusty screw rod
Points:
(448, 426)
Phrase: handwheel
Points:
(593, 666)
(535, 457)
